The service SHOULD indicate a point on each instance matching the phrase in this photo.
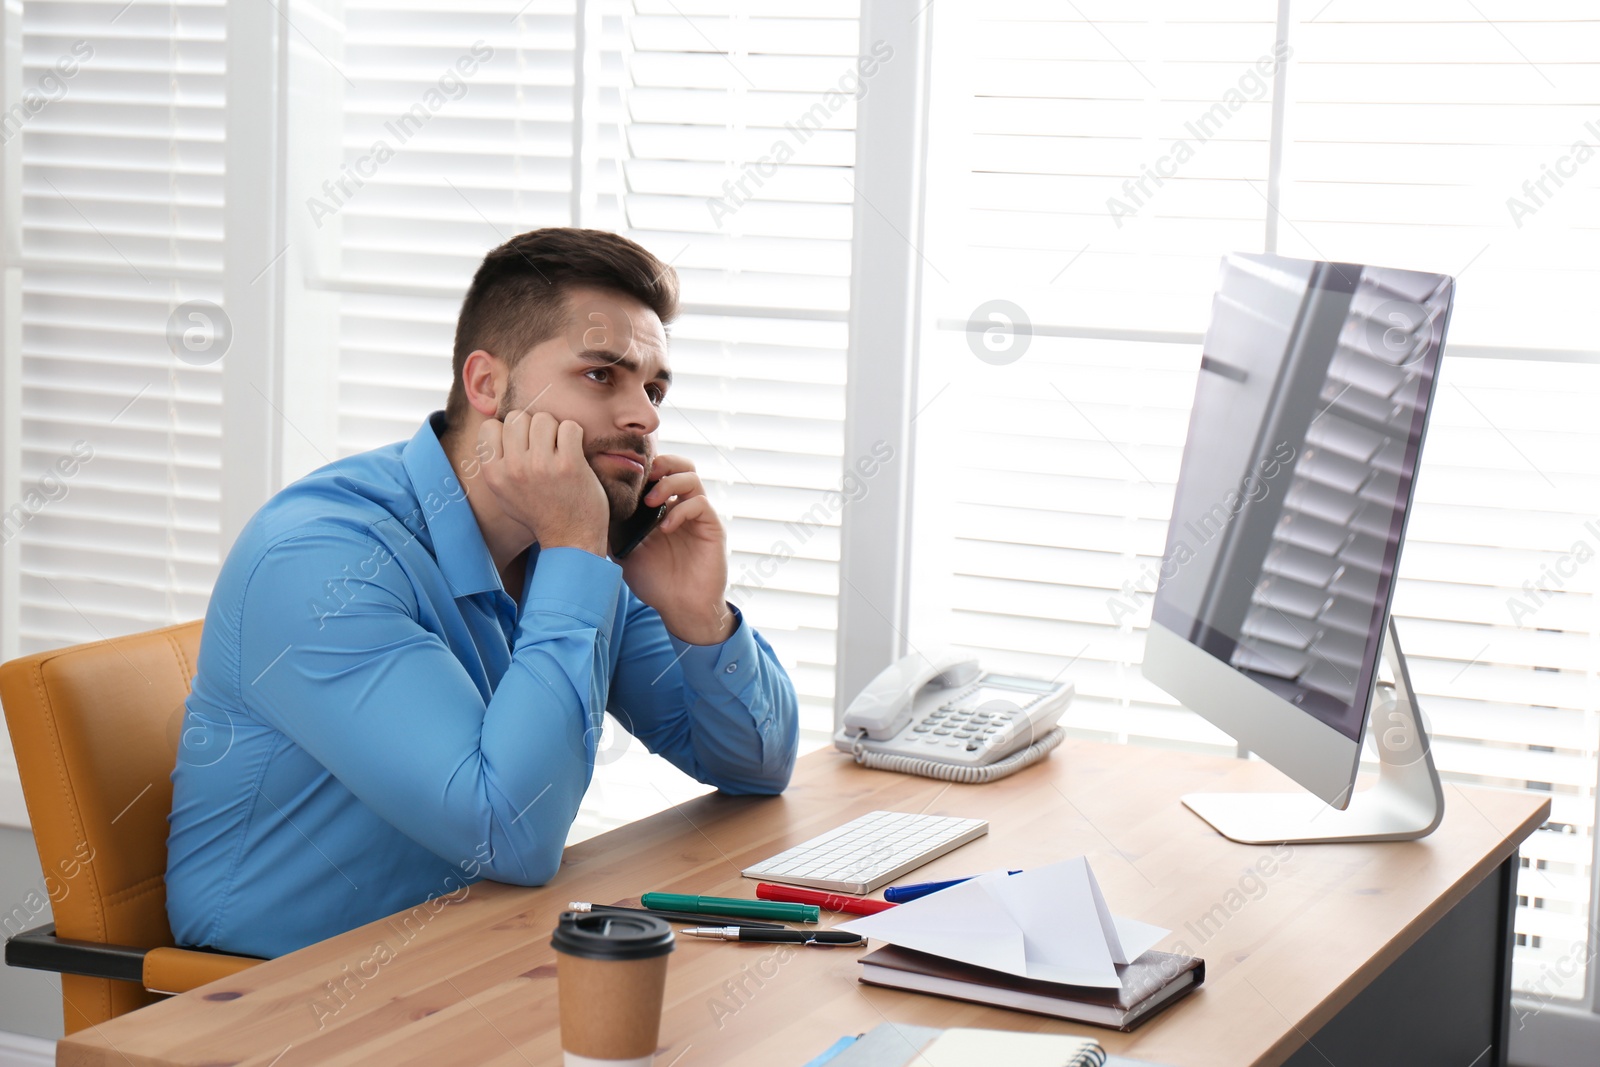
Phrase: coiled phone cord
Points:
(951, 772)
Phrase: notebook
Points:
(1150, 983)
(899, 1045)
(971, 1048)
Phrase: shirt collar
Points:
(458, 544)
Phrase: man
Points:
(408, 653)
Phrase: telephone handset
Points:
(946, 717)
(626, 535)
(884, 707)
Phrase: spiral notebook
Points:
(899, 1045)
(968, 1048)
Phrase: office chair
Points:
(95, 728)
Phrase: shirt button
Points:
(730, 668)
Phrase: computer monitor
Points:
(1271, 611)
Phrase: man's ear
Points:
(483, 380)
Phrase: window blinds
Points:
(1393, 151)
(122, 234)
(1089, 177)
(740, 134)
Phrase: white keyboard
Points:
(868, 852)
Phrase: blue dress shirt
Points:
(375, 722)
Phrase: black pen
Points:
(676, 916)
(799, 937)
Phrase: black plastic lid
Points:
(612, 935)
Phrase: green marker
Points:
(742, 909)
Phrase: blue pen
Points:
(899, 894)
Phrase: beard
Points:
(624, 490)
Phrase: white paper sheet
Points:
(1049, 923)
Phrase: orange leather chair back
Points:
(96, 728)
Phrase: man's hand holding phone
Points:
(681, 568)
(536, 468)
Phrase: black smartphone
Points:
(626, 535)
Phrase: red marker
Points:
(829, 901)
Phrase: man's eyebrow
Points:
(601, 358)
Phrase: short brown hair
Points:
(518, 296)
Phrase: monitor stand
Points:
(1405, 803)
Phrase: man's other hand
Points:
(537, 471)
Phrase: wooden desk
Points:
(475, 982)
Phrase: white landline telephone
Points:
(945, 717)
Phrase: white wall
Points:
(30, 1001)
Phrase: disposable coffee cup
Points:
(611, 976)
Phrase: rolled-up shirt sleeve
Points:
(386, 706)
(724, 714)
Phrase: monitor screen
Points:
(1290, 507)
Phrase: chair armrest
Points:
(41, 950)
(162, 970)
(178, 970)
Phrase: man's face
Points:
(607, 371)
